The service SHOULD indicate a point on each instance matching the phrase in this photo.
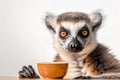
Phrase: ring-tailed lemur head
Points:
(74, 31)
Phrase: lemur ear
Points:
(96, 19)
(49, 21)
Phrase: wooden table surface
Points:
(15, 78)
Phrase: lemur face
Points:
(74, 36)
(74, 31)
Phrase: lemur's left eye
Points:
(84, 33)
(63, 34)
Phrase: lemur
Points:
(74, 36)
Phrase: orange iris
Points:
(63, 34)
(84, 33)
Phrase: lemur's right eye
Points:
(63, 33)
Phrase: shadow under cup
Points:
(52, 70)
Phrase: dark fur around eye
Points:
(83, 29)
(62, 29)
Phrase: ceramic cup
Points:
(52, 70)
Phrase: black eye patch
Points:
(64, 33)
(84, 32)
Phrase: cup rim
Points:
(52, 63)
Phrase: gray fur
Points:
(104, 63)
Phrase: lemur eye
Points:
(63, 34)
(84, 33)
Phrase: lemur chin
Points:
(74, 36)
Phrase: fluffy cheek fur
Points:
(89, 46)
(90, 43)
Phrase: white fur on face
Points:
(73, 27)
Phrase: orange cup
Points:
(52, 70)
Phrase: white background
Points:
(25, 40)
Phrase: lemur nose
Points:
(75, 46)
